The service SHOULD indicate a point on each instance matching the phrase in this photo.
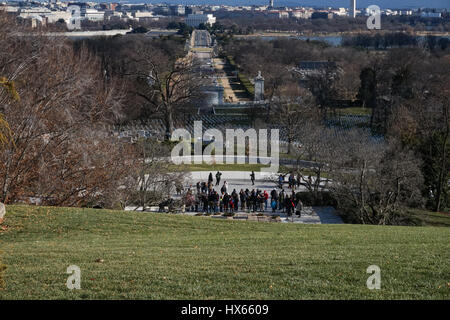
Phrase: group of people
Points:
(293, 181)
(208, 200)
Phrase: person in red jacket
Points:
(266, 199)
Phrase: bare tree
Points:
(374, 178)
(292, 109)
(166, 84)
(423, 124)
(314, 155)
(62, 152)
(154, 176)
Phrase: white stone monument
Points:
(259, 87)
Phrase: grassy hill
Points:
(159, 256)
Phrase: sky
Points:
(319, 3)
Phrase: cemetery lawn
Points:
(161, 256)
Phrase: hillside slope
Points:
(159, 256)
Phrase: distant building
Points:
(178, 10)
(9, 9)
(431, 14)
(278, 14)
(162, 10)
(321, 15)
(143, 15)
(194, 20)
(301, 14)
(340, 12)
(94, 15)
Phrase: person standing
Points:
(224, 188)
(211, 203)
(287, 206)
(252, 177)
(260, 197)
(210, 178)
(266, 199)
(281, 199)
(221, 202)
(274, 198)
(226, 202)
(203, 187)
(248, 204)
(280, 181)
(235, 197)
(253, 200)
(216, 201)
(273, 204)
(218, 175)
(290, 207)
(243, 199)
(298, 208)
(205, 203)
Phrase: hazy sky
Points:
(333, 3)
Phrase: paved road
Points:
(202, 38)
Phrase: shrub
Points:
(324, 198)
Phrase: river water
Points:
(331, 40)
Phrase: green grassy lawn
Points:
(428, 218)
(160, 256)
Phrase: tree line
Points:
(59, 103)
(400, 159)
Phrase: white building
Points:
(143, 14)
(94, 15)
(194, 20)
(33, 12)
(54, 16)
(9, 9)
(301, 14)
(340, 12)
(406, 12)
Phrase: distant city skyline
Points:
(403, 4)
